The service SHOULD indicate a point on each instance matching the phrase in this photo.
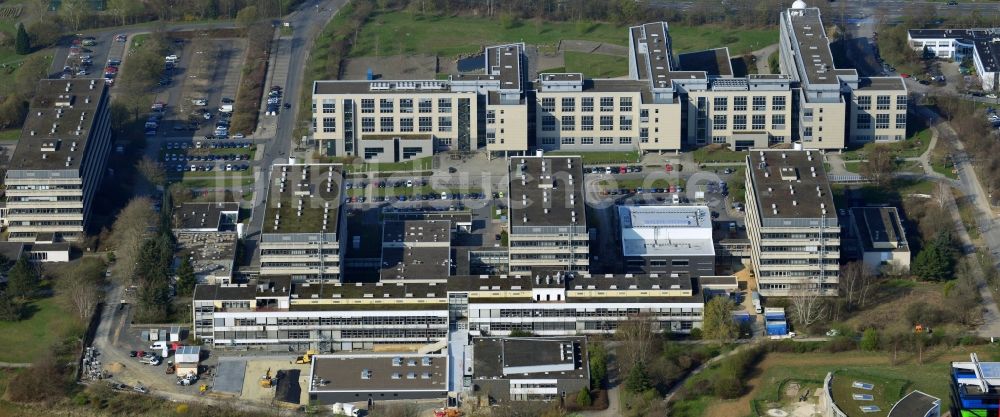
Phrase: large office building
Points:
(354, 378)
(666, 103)
(667, 240)
(59, 161)
(981, 45)
(302, 222)
(792, 223)
(548, 220)
(529, 368)
(835, 107)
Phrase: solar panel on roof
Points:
(990, 369)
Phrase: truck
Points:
(341, 409)
(755, 298)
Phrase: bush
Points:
(583, 399)
(869, 341)
(727, 386)
(696, 333)
(841, 344)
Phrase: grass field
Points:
(709, 154)
(625, 157)
(397, 32)
(419, 164)
(596, 65)
(10, 135)
(47, 323)
(215, 180)
(911, 147)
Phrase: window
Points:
(721, 104)
(548, 141)
(329, 106)
(864, 121)
(426, 124)
(367, 124)
(865, 102)
(426, 105)
(548, 104)
(406, 105)
(587, 104)
(901, 102)
(607, 104)
(444, 105)
(625, 122)
(625, 104)
(568, 123)
(740, 103)
(406, 124)
(807, 132)
(739, 122)
(587, 123)
(568, 104)
(607, 122)
(491, 117)
(368, 105)
(644, 115)
(329, 124)
(607, 140)
(901, 121)
(548, 123)
(387, 124)
(777, 121)
(759, 103)
(644, 134)
(718, 139)
(625, 140)
(773, 140)
(881, 121)
(882, 103)
(567, 141)
(719, 122)
(444, 124)
(759, 122)
(587, 140)
(491, 137)
(385, 105)
(778, 103)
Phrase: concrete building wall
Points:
(877, 116)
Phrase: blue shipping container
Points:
(742, 317)
(774, 316)
(777, 328)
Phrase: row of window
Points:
(568, 123)
(406, 105)
(882, 102)
(864, 121)
(424, 124)
(568, 104)
(758, 122)
(778, 103)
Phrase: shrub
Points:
(727, 386)
(583, 399)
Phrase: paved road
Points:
(863, 8)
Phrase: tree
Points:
(718, 323)
(44, 32)
(22, 280)
(869, 340)
(128, 233)
(185, 277)
(74, 11)
(152, 171)
(246, 17)
(124, 9)
(598, 365)
(79, 287)
(807, 307)
(637, 336)
(936, 261)
(878, 165)
(22, 45)
(10, 309)
(583, 398)
(856, 282)
(637, 379)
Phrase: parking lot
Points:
(206, 156)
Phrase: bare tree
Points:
(879, 164)
(131, 228)
(80, 294)
(152, 171)
(637, 335)
(856, 282)
(808, 307)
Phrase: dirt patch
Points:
(893, 302)
(397, 67)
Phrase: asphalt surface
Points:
(864, 8)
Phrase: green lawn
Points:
(419, 164)
(624, 157)
(912, 147)
(708, 154)
(943, 169)
(26, 339)
(645, 183)
(596, 65)
(398, 32)
(215, 179)
(10, 135)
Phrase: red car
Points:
(669, 167)
(904, 75)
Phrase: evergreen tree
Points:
(22, 44)
(637, 380)
(22, 280)
(185, 277)
(936, 261)
(583, 399)
(869, 340)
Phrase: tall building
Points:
(666, 103)
(792, 223)
(548, 216)
(835, 107)
(59, 162)
(302, 222)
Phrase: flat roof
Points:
(953, 33)
(203, 215)
(381, 86)
(505, 61)
(988, 51)
(415, 262)
(880, 228)
(538, 357)
(210, 253)
(366, 373)
(914, 404)
(666, 230)
(206, 292)
(12, 250)
(656, 52)
(881, 83)
(416, 232)
(812, 45)
(790, 184)
(301, 196)
(58, 127)
(711, 61)
(546, 191)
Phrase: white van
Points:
(675, 199)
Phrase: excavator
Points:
(447, 412)
(306, 358)
(266, 381)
